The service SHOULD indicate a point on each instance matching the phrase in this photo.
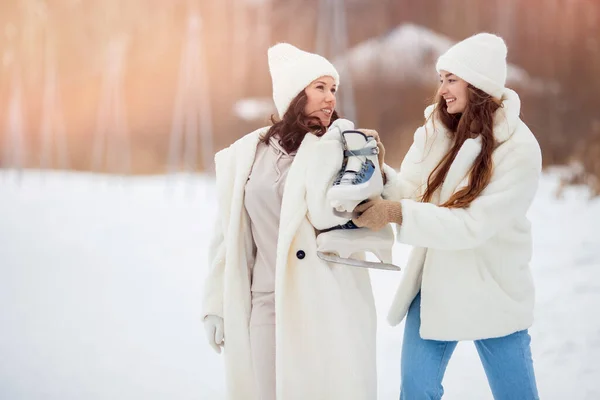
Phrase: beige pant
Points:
(262, 343)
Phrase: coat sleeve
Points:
(326, 157)
(212, 302)
(214, 283)
(406, 183)
(508, 195)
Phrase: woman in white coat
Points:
(291, 325)
(460, 198)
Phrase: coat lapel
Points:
(460, 168)
(234, 165)
(233, 168)
(293, 203)
(245, 152)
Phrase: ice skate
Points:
(360, 176)
(358, 179)
(339, 244)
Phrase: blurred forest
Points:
(148, 86)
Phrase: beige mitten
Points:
(376, 214)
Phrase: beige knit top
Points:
(262, 199)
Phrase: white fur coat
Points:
(471, 265)
(325, 313)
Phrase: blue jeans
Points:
(506, 360)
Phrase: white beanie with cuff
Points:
(480, 60)
(292, 70)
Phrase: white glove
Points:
(213, 325)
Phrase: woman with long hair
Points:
(460, 198)
(291, 325)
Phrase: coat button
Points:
(300, 254)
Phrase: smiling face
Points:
(453, 91)
(321, 99)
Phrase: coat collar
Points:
(506, 118)
(233, 165)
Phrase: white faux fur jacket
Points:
(471, 265)
(325, 313)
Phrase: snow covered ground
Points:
(101, 280)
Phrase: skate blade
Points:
(356, 263)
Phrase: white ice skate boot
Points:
(339, 245)
(360, 177)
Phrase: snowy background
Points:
(101, 276)
(101, 282)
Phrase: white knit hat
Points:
(292, 70)
(479, 60)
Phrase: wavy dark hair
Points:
(476, 120)
(295, 124)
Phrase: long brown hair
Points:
(476, 120)
(295, 124)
